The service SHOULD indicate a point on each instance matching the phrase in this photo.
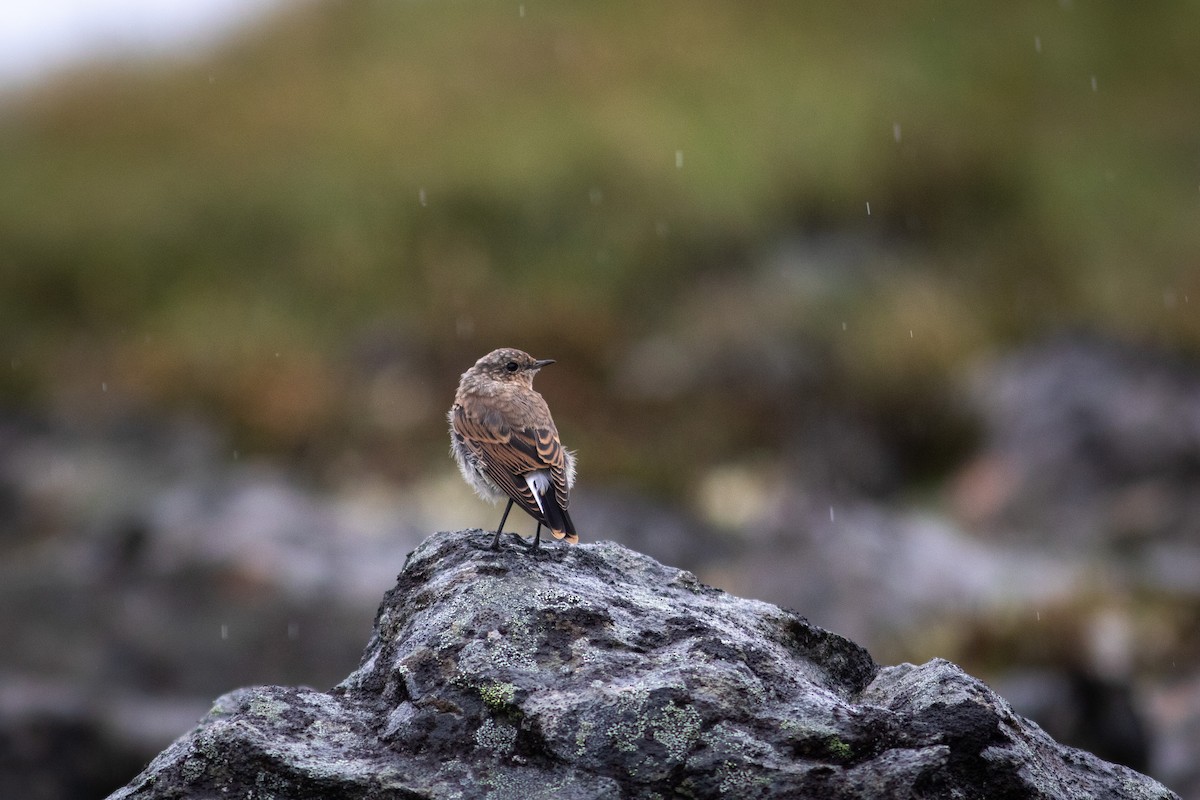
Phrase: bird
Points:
(506, 444)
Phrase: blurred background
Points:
(886, 314)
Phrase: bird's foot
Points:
(521, 540)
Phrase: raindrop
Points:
(236, 455)
(678, 159)
(831, 513)
(1037, 44)
(1094, 83)
(421, 197)
(293, 631)
(224, 631)
(896, 132)
(596, 195)
(1039, 615)
(521, 10)
(868, 208)
(103, 386)
(843, 326)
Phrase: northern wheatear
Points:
(505, 442)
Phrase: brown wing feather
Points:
(506, 454)
(551, 454)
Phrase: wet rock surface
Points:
(595, 671)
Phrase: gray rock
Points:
(1095, 440)
(596, 672)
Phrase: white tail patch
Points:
(538, 483)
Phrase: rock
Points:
(1094, 439)
(596, 672)
(1096, 712)
(53, 756)
(61, 740)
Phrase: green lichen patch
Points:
(677, 728)
(498, 696)
(498, 738)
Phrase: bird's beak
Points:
(545, 362)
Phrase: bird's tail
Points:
(558, 520)
(553, 515)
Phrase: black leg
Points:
(496, 541)
(537, 537)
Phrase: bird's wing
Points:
(507, 454)
(550, 452)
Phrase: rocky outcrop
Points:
(596, 672)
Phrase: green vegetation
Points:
(498, 696)
(839, 749)
(312, 230)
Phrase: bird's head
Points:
(510, 366)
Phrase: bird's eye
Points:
(511, 366)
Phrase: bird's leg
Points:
(537, 537)
(496, 540)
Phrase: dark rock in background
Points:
(1096, 439)
(46, 756)
(595, 672)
